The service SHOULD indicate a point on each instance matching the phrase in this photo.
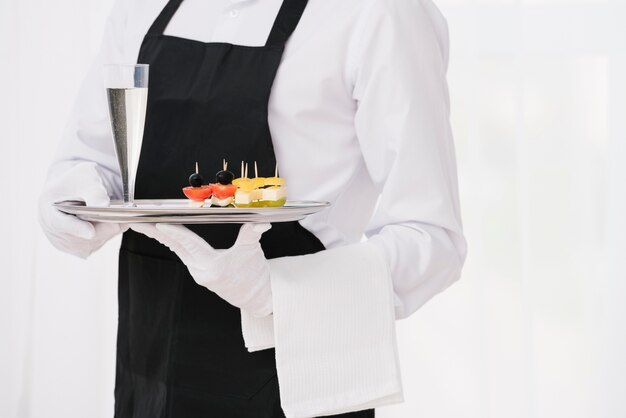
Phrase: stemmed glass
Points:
(127, 95)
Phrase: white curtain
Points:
(537, 325)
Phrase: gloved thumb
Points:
(90, 187)
(250, 233)
(96, 196)
(261, 227)
(76, 227)
(107, 230)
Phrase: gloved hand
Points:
(240, 274)
(66, 232)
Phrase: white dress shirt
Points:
(359, 110)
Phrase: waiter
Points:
(349, 99)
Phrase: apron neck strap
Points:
(161, 22)
(284, 25)
(286, 21)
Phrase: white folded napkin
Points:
(333, 327)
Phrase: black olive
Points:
(195, 180)
(224, 177)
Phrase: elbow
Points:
(457, 255)
(440, 263)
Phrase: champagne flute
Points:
(127, 95)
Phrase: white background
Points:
(537, 325)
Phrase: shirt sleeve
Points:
(402, 124)
(87, 135)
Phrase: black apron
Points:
(180, 351)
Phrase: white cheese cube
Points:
(243, 198)
(274, 193)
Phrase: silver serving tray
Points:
(179, 211)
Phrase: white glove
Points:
(66, 232)
(240, 274)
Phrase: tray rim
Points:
(293, 210)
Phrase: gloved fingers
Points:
(78, 247)
(107, 230)
(250, 233)
(189, 240)
(151, 230)
(104, 232)
(74, 236)
(60, 224)
(67, 232)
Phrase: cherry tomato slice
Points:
(198, 193)
(222, 191)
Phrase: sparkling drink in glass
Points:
(127, 95)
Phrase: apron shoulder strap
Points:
(284, 25)
(161, 22)
(286, 21)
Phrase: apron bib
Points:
(180, 351)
